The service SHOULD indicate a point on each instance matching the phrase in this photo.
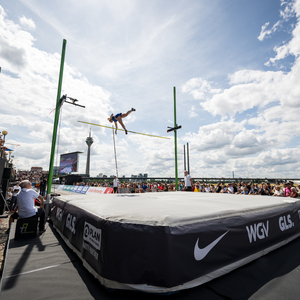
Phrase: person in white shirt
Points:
(207, 189)
(278, 191)
(115, 185)
(230, 189)
(154, 187)
(16, 191)
(188, 181)
(26, 205)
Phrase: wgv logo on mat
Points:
(92, 235)
(259, 230)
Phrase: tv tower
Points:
(89, 141)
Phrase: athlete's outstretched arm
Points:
(116, 124)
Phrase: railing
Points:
(195, 178)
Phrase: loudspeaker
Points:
(6, 173)
(2, 161)
(70, 179)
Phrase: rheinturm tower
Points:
(89, 141)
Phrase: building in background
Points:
(55, 170)
(89, 141)
(37, 169)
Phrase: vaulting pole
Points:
(188, 157)
(175, 140)
(184, 158)
(115, 153)
(49, 184)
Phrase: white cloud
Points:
(214, 136)
(252, 89)
(265, 33)
(199, 88)
(27, 23)
(288, 10)
(285, 14)
(292, 47)
(192, 112)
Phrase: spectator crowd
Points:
(287, 189)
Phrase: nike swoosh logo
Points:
(199, 253)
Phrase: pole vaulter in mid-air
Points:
(118, 118)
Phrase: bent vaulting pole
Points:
(57, 110)
(175, 140)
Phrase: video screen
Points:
(68, 163)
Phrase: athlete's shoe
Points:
(126, 132)
(133, 109)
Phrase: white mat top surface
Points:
(173, 208)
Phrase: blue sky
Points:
(235, 66)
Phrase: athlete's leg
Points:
(125, 115)
(121, 123)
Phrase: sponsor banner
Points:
(59, 187)
(85, 189)
(80, 189)
(74, 188)
(68, 188)
(100, 190)
(168, 256)
(92, 235)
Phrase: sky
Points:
(235, 66)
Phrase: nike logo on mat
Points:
(199, 253)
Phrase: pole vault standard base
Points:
(166, 242)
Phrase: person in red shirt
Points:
(287, 190)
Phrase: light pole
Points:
(4, 132)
